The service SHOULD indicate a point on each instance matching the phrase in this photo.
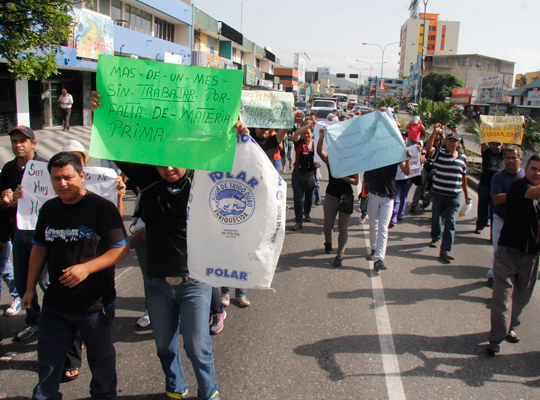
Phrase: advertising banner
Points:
(93, 35)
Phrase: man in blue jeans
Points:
(23, 143)
(80, 236)
(449, 181)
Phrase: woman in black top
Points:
(339, 197)
(303, 176)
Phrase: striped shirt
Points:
(448, 172)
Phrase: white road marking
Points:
(117, 277)
(394, 385)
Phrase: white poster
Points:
(236, 221)
(37, 189)
(321, 124)
(416, 165)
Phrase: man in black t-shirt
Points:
(80, 236)
(516, 259)
(492, 157)
(267, 141)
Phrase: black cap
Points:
(453, 135)
(25, 130)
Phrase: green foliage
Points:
(531, 137)
(443, 113)
(437, 86)
(30, 35)
(387, 102)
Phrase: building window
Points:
(258, 63)
(432, 28)
(442, 46)
(138, 20)
(100, 6)
(116, 10)
(431, 47)
(163, 30)
(431, 37)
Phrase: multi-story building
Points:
(155, 30)
(442, 38)
(218, 45)
(525, 79)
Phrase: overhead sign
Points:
(503, 129)
(267, 109)
(533, 95)
(462, 91)
(37, 189)
(323, 71)
(364, 143)
(164, 114)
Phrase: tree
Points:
(443, 113)
(437, 86)
(387, 102)
(31, 32)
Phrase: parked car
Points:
(414, 106)
(351, 104)
(363, 109)
(302, 106)
(323, 107)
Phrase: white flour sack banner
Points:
(236, 221)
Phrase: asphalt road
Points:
(416, 331)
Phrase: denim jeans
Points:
(402, 191)
(302, 199)
(22, 245)
(485, 206)
(380, 212)
(189, 301)
(56, 333)
(447, 207)
(238, 292)
(277, 164)
(6, 271)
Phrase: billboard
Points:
(250, 77)
(323, 70)
(300, 66)
(92, 35)
(462, 92)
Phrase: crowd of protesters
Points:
(75, 266)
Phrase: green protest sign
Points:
(166, 114)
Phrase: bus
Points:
(342, 99)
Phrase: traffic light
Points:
(340, 75)
(353, 76)
(388, 81)
(399, 82)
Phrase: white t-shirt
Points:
(67, 98)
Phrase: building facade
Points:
(442, 38)
(158, 30)
(524, 79)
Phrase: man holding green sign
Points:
(173, 119)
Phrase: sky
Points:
(331, 32)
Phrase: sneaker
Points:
(297, 227)
(177, 395)
(446, 257)
(379, 265)
(362, 219)
(328, 247)
(307, 217)
(217, 323)
(225, 300)
(391, 225)
(243, 301)
(512, 337)
(317, 202)
(14, 308)
(144, 321)
(370, 256)
(412, 210)
(338, 262)
(490, 282)
(25, 334)
(478, 231)
(215, 396)
(434, 243)
(493, 348)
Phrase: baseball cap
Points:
(74, 145)
(25, 130)
(453, 135)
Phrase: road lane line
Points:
(394, 385)
(117, 277)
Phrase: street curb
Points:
(472, 183)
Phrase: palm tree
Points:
(413, 8)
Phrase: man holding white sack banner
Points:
(242, 214)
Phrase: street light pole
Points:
(370, 69)
(382, 49)
(358, 70)
(419, 97)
